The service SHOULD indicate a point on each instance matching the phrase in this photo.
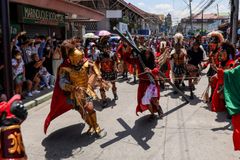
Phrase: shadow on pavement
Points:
(141, 132)
(98, 104)
(122, 80)
(227, 127)
(175, 109)
(195, 100)
(64, 142)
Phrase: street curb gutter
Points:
(38, 101)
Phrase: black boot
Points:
(183, 84)
(177, 85)
(134, 79)
(115, 96)
(160, 112)
(191, 87)
(162, 85)
(191, 95)
(126, 76)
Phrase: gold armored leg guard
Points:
(100, 132)
(87, 119)
(89, 122)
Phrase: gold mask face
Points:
(76, 57)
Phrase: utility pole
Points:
(234, 18)
(190, 8)
(8, 80)
(217, 10)
(202, 24)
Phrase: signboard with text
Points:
(114, 14)
(33, 15)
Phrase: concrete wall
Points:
(187, 27)
(103, 25)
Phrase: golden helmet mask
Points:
(76, 57)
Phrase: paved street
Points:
(187, 132)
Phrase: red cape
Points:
(218, 104)
(59, 102)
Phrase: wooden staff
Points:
(133, 45)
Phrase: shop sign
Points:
(33, 15)
(114, 14)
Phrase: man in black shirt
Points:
(195, 55)
(32, 70)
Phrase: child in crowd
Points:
(18, 72)
(47, 78)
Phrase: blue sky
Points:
(178, 8)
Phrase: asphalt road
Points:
(187, 131)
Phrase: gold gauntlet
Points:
(68, 87)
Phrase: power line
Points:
(200, 5)
(199, 9)
(206, 7)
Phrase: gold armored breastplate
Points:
(79, 77)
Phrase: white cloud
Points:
(163, 6)
(141, 4)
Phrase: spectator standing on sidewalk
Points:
(47, 54)
(41, 46)
(56, 59)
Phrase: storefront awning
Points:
(65, 7)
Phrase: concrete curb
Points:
(38, 100)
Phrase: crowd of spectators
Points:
(34, 64)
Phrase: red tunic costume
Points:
(144, 83)
(142, 87)
(236, 131)
(122, 52)
(218, 103)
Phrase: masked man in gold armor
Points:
(73, 81)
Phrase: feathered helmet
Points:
(216, 37)
(178, 38)
(163, 44)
